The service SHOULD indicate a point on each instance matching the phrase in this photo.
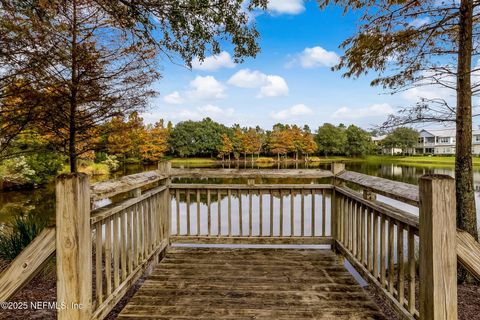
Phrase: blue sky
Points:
(290, 81)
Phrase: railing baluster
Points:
(146, 225)
(98, 264)
(369, 240)
(135, 235)
(116, 262)
(324, 213)
(123, 243)
(240, 212)
(271, 213)
(187, 198)
(391, 266)
(312, 223)
(382, 251)
(375, 244)
(363, 236)
(260, 209)
(219, 212)
(400, 264)
(302, 217)
(281, 213)
(177, 200)
(250, 214)
(129, 239)
(108, 255)
(229, 212)
(292, 213)
(411, 270)
(199, 232)
(209, 212)
(355, 229)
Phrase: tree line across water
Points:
(36, 158)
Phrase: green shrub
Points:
(16, 235)
(17, 171)
(46, 166)
(112, 163)
(36, 168)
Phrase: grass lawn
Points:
(440, 160)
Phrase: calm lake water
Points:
(40, 202)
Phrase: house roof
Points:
(447, 132)
(379, 138)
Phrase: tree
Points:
(359, 143)
(98, 57)
(331, 140)
(402, 137)
(154, 142)
(438, 51)
(118, 141)
(226, 148)
(308, 144)
(251, 142)
(280, 140)
(197, 138)
(95, 71)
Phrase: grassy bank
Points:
(418, 160)
(199, 161)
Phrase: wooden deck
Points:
(214, 283)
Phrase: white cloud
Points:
(418, 22)
(206, 88)
(286, 6)
(173, 98)
(275, 86)
(199, 113)
(374, 110)
(212, 63)
(270, 85)
(296, 111)
(246, 78)
(316, 57)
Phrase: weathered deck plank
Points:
(217, 283)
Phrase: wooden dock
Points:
(151, 223)
(216, 283)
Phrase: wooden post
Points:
(438, 258)
(336, 168)
(74, 247)
(165, 167)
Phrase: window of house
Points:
(443, 140)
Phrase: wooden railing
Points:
(101, 252)
(396, 251)
(106, 250)
(381, 242)
(265, 214)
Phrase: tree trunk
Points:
(465, 196)
(72, 152)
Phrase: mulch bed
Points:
(468, 302)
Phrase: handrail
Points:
(388, 210)
(250, 187)
(128, 183)
(250, 173)
(468, 252)
(400, 191)
(27, 264)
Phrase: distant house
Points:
(384, 150)
(442, 142)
